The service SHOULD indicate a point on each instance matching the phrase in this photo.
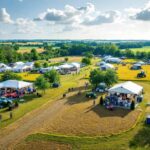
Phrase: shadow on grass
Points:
(141, 139)
(103, 112)
(75, 98)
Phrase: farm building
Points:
(121, 95)
(107, 66)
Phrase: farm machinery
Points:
(142, 74)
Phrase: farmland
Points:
(143, 49)
(28, 49)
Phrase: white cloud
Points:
(5, 16)
(26, 26)
(87, 15)
(143, 14)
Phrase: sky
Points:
(75, 19)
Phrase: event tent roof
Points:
(15, 84)
(127, 88)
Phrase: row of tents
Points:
(66, 68)
(17, 67)
(28, 66)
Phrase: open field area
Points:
(136, 138)
(70, 59)
(62, 122)
(28, 49)
(143, 49)
(125, 73)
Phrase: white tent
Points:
(5, 68)
(141, 63)
(15, 84)
(75, 64)
(127, 88)
(107, 66)
(113, 60)
(66, 66)
(20, 68)
(44, 70)
(18, 63)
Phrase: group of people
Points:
(122, 100)
(16, 93)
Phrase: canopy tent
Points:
(107, 66)
(127, 88)
(65, 66)
(15, 84)
(141, 63)
(75, 64)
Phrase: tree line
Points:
(9, 53)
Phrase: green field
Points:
(144, 49)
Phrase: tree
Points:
(37, 64)
(86, 61)
(52, 76)
(34, 54)
(42, 84)
(97, 76)
(66, 59)
(45, 65)
(88, 55)
(110, 77)
(10, 76)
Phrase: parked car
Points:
(91, 95)
(101, 88)
(55, 85)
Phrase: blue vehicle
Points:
(5, 102)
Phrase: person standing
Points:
(11, 115)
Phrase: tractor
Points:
(142, 74)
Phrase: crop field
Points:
(143, 49)
(70, 59)
(125, 73)
(28, 49)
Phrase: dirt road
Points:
(28, 124)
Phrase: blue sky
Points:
(74, 19)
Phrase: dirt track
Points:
(28, 124)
